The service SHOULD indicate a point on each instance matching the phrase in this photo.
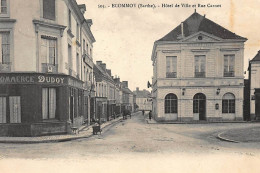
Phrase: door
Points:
(202, 109)
(257, 105)
(199, 105)
(15, 109)
(71, 109)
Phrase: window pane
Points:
(174, 65)
(3, 7)
(49, 9)
(5, 47)
(170, 103)
(52, 103)
(44, 103)
(2, 109)
(224, 106)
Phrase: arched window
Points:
(228, 103)
(170, 104)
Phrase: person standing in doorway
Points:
(150, 115)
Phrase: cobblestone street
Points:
(134, 139)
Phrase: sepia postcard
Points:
(129, 86)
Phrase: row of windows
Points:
(200, 66)
(199, 102)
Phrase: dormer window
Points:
(49, 9)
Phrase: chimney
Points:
(125, 84)
(82, 8)
(103, 66)
(182, 30)
(137, 89)
(98, 63)
(109, 72)
(117, 80)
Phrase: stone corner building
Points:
(46, 67)
(198, 73)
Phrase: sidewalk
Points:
(152, 121)
(84, 132)
(241, 135)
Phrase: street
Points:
(133, 139)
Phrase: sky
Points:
(125, 36)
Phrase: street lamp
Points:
(183, 91)
(218, 91)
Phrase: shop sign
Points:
(30, 79)
(45, 79)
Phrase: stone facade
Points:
(47, 50)
(185, 43)
(254, 84)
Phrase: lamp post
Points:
(218, 91)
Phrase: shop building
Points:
(198, 73)
(105, 92)
(254, 86)
(43, 86)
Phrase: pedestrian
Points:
(150, 115)
(124, 114)
(143, 112)
(129, 113)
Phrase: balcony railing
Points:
(49, 68)
(200, 74)
(5, 67)
(171, 74)
(229, 73)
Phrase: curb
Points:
(226, 139)
(59, 140)
(199, 122)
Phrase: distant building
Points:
(143, 99)
(198, 73)
(254, 85)
(105, 92)
(46, 67)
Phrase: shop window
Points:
(49, 9)
(170, 103)
(48, 50)
(228, 103)
(15, 109)
(171, 66)
(229, 63)
(200, 66)
(5, 47)
(2, 109)
(48, 103)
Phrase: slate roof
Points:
(142, 94)
(100, 74)
(196, 23)
(257, 57)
